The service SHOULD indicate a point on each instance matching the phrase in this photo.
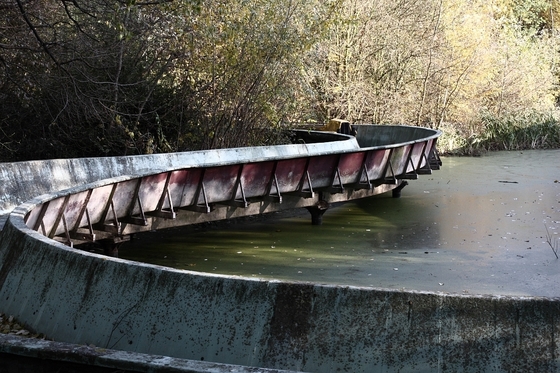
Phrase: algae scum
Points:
(480, 225)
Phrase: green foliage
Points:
(528, 129)
(455, 141)
(526, 16)
(243, 59)
(433, 63)
(517, 131)
(101, 77)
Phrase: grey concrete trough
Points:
(83, 298)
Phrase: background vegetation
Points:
(100, 77)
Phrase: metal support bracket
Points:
(435, 160)
(412, 175)
(68, 241)
(426, 169)
(391, 179)
(306, 193)
(165, 213)
(77, 233)
(274, 181)
(59, 216)
(389, 167)
(234, 201)
(360, 184)
(39, 224)
(112, 226)
(337, 188)
(137, 220)
(84, 235)
(205, 207)
(160, 212)
(301, 191)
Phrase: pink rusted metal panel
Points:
(256, 178)
(151, 190)
(322, 170)
(398, 159)
(195, 187)
(350, 167)
(290, 173)
(34, 218)
(416, 157)
(220, 182)
(123, 196)
(52, 216)
(376, 163)
(74, 211)
(184, 185)
(98, 202)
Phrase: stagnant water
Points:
(483, 225)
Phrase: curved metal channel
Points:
(127, 205)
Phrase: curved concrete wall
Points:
(85, 298)
(79, 297)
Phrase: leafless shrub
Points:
(553, 243)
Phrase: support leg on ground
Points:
(111, 246)
(397, 190)
(317, 212)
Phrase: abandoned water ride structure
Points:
(247, 180)
(144, 317)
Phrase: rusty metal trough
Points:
(114, 209)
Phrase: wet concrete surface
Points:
(484, 225)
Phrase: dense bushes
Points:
(526, 130)
(100, 77)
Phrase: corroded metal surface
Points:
(22, 181)
(116, 207)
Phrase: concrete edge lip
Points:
(114, 359)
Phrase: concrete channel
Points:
(148, 318)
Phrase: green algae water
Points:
(287, 248)
(479, 225)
